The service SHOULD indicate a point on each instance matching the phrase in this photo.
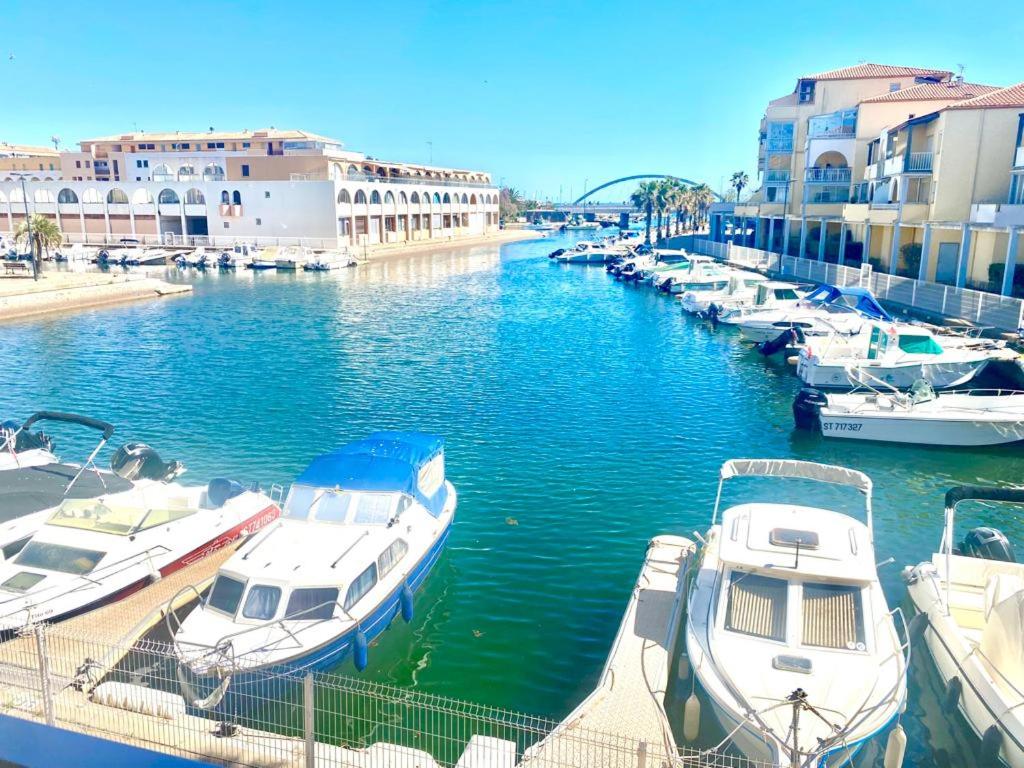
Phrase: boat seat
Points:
(1001, 647)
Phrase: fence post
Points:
(641, 754)
(945, 292)
(44, 673)
(309, 719)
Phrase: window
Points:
(67, 196)
(833, 616)
(236, 197)
(391, 556)
(117, 197)
(266, 195)
(22, 581)
(168, 197)
(366, 581)
(893, 87)
(194, 197)
(375, 197)
(344, 197)
(226, 594)
(333, 506)
(919, 345)
(10, 550)
(312, 604)
(56, 557)
(226, 225)
(259, 221)
(245, 169)
(299, 500)
(246, 145)
(225, 198)
(757, 606)
(372, 509)
(211, 145)
(88, 164)
(138, 163)
(360, 197)
(261, 602)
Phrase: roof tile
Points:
(951, 91)
(860, 71)
(1003, 98)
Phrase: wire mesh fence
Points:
(140, 695)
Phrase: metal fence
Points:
(977, 307)
(139, 695)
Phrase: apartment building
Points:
(910, 169)
(265, 186)
(34, 163)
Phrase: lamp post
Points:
(28, 227)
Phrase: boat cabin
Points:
(772, 292)
(916, 341)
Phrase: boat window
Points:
(791, 537)
(333, 507)
(57, 557)
(312, 604)
(226, 594)
(833, 616)
(786, 294)
(93, 515)
(363, 584)
(261, 602)
(22, 581)
(919, 345)
(391, 556)
(757, 606)
(373, 509)
(300, 497)
(762, 294)
(10, 550)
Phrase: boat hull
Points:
(920, 431)
(941, 375)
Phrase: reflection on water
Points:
(589, 413)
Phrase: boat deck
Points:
(628, 702)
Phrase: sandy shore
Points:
(64, 291)
(378, 252)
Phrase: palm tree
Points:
(738, 182)
(644, 199)
(703, 197)
(675, 194)
(45, 235)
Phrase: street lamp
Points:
(28, 227)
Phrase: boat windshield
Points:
(57, 557)
(327, 505)
(100, 517)
(919, 345)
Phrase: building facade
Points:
(265, 187)
(909, 169)
(34, 163)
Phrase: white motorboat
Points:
(75, 253)
(769, 295)
(21, 447)
(741, 290)
(592, 252)
(327, 261)
(361, 529)
(971, 596)
(263, 259)
(897, 354)
(94, 551)
(876, 411)
(293, 258)
(239, 257)
(827, 310)
(197, 259)
(659, 273)
(788, 631)
(133, 256)
(702, 274)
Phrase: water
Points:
(582, 416)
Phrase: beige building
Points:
(908, 168)
(34, 163)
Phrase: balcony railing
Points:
(919, 162)
(1018, 160)
(422, 180)
(827, 176)
(832, 132)
(776, 176)
(828, 195)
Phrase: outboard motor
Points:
(666, 285)
(987, 544)
(180, 261)
(556, 254)
(780, 342)
(221, 490)
(224, 260)
(807, 407)
(712, 314)
(103, 258)
(137, 461)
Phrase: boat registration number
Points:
(840, 426)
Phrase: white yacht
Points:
(361, 529)
(742, 289)
(239, 257)
(827, 310)
(769, 295)
(972, 597)
(897, 354)
(293, 258)
(702, 274)
(788, 631)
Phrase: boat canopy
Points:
(405, 462)
(806, 470)
(858, 299)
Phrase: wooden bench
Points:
(15, 267)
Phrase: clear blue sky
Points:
(542, 95)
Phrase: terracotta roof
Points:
(26, 149)
(861, 71)
(952, 91)
(1004, 98)
(260, 133)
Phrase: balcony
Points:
(776, 177)
(998, 214)
(919, 162)
(832, 132)
(779, 144)
(826, 195)
(1018, 160)
(827, 176)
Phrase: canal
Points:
(582, 417)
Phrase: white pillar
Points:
(1011, 261)
(822, 232)
(894, 251)
(771, 235)
(866, 253)
(926, 247)
(842, 242)
(963, 260)
(785, 236)
(803, 237)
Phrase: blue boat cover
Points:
(382, 462)
(858, 299)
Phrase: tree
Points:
(510, 203)
(738, 182)
(702, 197)
(644, 199)
(45, 235)
(673, 191)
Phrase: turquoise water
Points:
(582, 417)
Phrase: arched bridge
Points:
(612, 183)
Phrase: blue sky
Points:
(544, 95)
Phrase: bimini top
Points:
(805, 470)
(858, 299)
(406, 462)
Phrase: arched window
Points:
(117, 197)
(142, 197)
(225, 198)
(213, 172)
(437, 198)
(415, 197)
(236, 197)
(382, 172)
(186, 173)
(168, 197)
(447, 199)
(194, 197)
(3, 198)
(67, 196)
(162, 173)
(336, 172)
(472, 200)
(375, 197)
(389, 198)
(344, 196)
(43, 196)
(353, 171)
(360, 197)
(465, 199)
(91, 196)
(17, 196)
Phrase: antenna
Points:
(960, 73)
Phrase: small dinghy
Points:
(875, 411)
(788, 631)
(361, 529)
(971, 596)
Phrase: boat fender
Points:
(895, 747)
(991, 743)
(691, 718)
(360, 650)
(918, 625)
(807, 407)
(405, 599)
(952, 698)
(683, 668)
